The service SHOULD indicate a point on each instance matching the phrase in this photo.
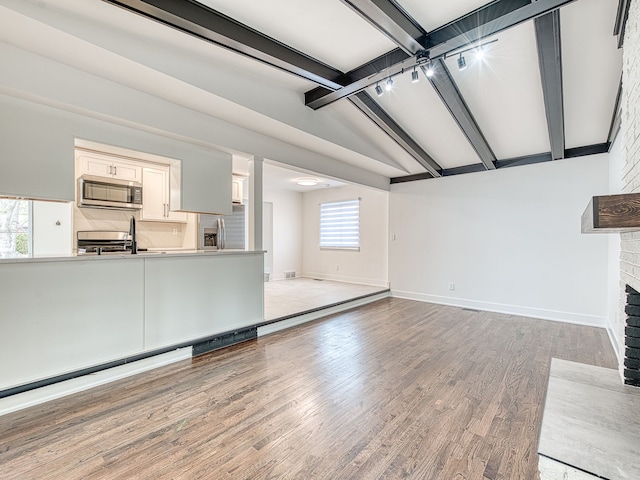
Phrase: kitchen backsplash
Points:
(150, 234)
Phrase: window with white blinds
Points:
(340, 225)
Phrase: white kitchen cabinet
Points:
(237, 189)
(155, 197)
(106, 166)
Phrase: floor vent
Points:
(290, 274)
(224, 340)
(471, 310)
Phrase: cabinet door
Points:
(178, 217)
(154, 192)
(237, 190)
(155, 197)
(127, 171)
(100, 167)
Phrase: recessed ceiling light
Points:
(307, 182)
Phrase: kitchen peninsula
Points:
(65, 314)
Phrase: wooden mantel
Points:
(612, 214)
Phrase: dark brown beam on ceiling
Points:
(371, 109)
(547, 29)
(511, 162)
(391, 20)
(203, 22)
(621, 21)
(450, 95)
(210, 25)
(616, 118)
(486, 21)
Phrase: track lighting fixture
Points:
(429, 72)
(480, 53)
(389, 84)
(414, 75)
(379, 90)
(462, 63)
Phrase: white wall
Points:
(615, 298)
(287, 231)
(52, 227)
(510, 241)
(367, 266)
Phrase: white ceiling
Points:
(503, 92)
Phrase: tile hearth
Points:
(591, 425)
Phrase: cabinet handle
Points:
(110, 169)
(166, 210)
(115, 170)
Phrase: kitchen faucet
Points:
(132, 233)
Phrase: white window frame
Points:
(340, 225)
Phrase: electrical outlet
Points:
(174, 231)
(393, 236)
(452, 286)
(337, 268)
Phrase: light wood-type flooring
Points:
(394, 389)
(283, 298)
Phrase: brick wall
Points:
(630, 131)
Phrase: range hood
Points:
(612, 214)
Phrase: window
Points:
(15, 228)
(340, 225)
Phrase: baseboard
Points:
(308, 317)
(347, 279)
(61, 389)
(614, 343)
(543, 314)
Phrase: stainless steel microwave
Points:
(102, 192)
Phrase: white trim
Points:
(292, 322)
(19, 401)
(614, 344)
(372, 282)
(540, 313)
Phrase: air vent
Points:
(224, 340)
(290, 274)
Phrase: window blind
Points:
(340, 224)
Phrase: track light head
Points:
(389, 84)
(379, 90)
(414, 76)
(480, 53)
(462, 63)
(429, 72)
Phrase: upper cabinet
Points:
(155, 196)
(237, 189)
(105, 166)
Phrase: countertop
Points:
(151, 253)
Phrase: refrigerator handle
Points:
(222, 234)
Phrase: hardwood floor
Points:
(394, 389)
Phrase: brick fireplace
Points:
(630, 141)
(631, 369)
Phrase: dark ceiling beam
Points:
(392, 21)
(486, 21)
(371, 109)
(595, 149)
(621, 21)
(203, 22)
(616, 118)
(547, 29)
(448, 91)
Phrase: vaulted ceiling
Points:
(545, 89)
